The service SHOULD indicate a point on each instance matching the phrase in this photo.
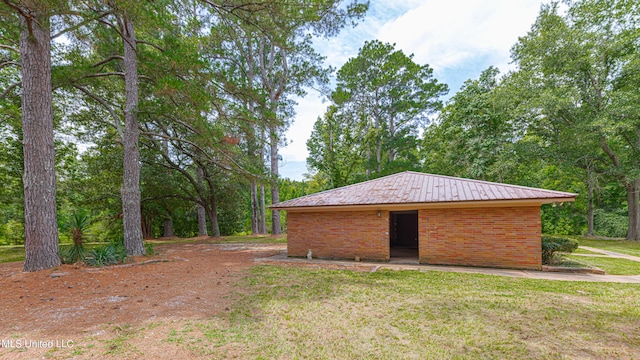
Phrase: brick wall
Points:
(490, 237)
(493, 237)
(339, 235)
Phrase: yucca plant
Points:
(79, 225)
(72, 254)
(76, 252)
(110, 254)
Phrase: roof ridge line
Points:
(484, 182)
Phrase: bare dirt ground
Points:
(181, 282)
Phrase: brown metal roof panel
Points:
(413, 187)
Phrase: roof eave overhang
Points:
(433, 205)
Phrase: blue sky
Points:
(457, 38)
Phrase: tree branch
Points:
(116, 29)
(121, 74)
(114, 57)
(11, 48)
(116, 118)
(18, 9)
(11, 87)
(605, 147)
(8, 63)
(150, 44)
(82, 23)
(27, 16)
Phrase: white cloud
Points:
(447, 34)
(308, 110)
(457, 38)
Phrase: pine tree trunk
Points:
(392, 134)
(131, 206)
(263, 212)
(40, 222)
(255, 209)
(590, 211)
(633, 203)
(276, 228)
(202, 215)
(262, 221)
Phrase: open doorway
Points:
(403, 235)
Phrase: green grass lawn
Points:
(612, 266)
(11, 253)
(621, 246)
(336, 314)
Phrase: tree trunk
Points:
(379, 156)
(378, 127)
(255, 209)
(147, 227)
(262, 220)
(590, 200)
(39, 178)
(212, 213)
(202, 216)
(392, 134)
(202, 221)
(633, 203)
(263, 212)
(131, 179)
(167, 230)
(276, 228)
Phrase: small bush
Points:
(72, 254)
(149, 249)
(552, 245)
(111, 254)
(611, 224)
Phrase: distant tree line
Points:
(139, 111)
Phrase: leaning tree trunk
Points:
(212, 213)
(633, 203)
(275, 193)
(131, 179)
(40, 223)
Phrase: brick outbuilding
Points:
(436, 219)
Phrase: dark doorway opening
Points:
(403, 235)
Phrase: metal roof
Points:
(413, 188)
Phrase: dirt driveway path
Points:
(189, 280)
